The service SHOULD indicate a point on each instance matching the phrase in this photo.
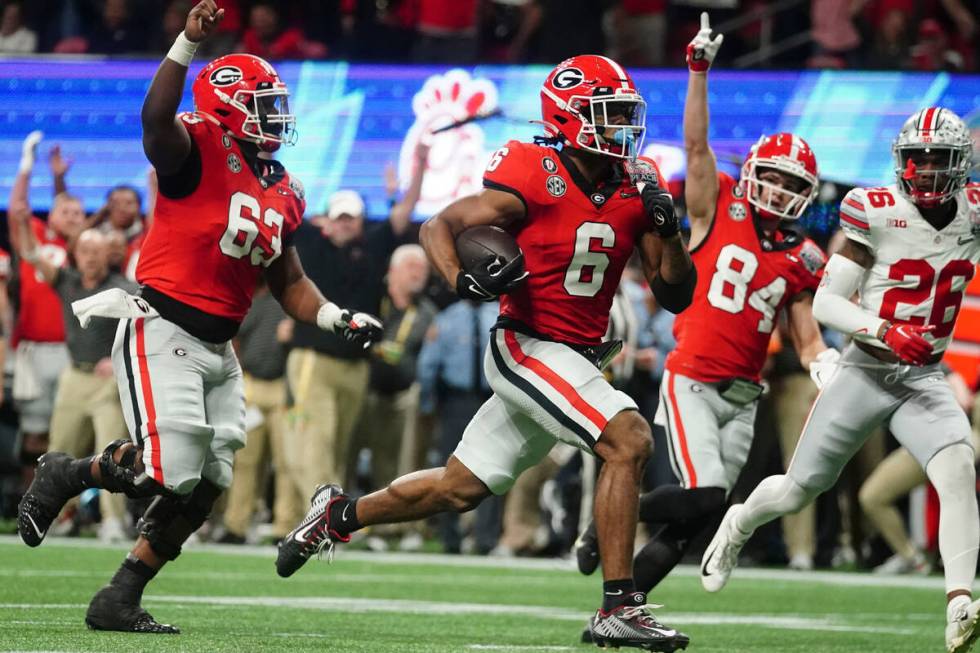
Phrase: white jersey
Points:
(919, 274)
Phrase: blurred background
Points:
(372, 83)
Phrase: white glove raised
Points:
(824, 366)
(360, 328)
(28, 151)
(702, 49)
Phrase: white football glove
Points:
(360, 328)
(702, 49)
(28, 151)
(824, 366)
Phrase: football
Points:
(487, 249)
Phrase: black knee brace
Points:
(170, 520)
(122, 476)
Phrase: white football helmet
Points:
(937, 138)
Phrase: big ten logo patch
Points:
(898, 223)
(457, 157)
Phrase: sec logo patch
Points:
(234, 163)
(556, 185)
(737, 211)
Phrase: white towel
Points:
(115, 302)
(26, 385)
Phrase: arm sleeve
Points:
(832, 305)
(186, 180)
(507, 171)
(854, 217)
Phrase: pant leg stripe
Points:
(681, 437)
(128, 363)
(156, 469)
(552, 378)
(537, 396)
(669, 437)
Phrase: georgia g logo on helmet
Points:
(226, 76)
(567, 78)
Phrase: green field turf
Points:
(230, 599)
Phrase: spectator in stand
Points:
(39, 333)
(387, 424)
(553, 21)
(267, 38)
(452, 387)
(835, 37)
(261, 344)
(890, 47)
(636, 31)
(15, 38)
(87, 415)
(446, 32)
(122, 212)
(118, 31)
(932, 52)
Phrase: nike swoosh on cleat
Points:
(704, 565)
(37, 530)
(616, 593)
(343, 515)
(303, 532)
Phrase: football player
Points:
(225, 214)
(911, 249)
(578, 215)
(753, 262)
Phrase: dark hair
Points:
(126, 187)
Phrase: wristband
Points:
(328, 316)
(182, 51)
(32, 255)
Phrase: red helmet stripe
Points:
(928, 119)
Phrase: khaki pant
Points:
(388, 428)
(522, 510)
(87, 416)
(792, 396)
(327, 396)
(264, 441)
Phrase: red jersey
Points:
(39, 317)
(576, 241)
(744, 279)
(207, 249)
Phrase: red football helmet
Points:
(591, 103)
(790, 155)
(247, 98)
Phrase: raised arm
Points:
(401, 213)
(438, 235)
(22, 182)
(59, 170)
(26, 247)
(701, 186)
(165, 141)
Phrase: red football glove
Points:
(702, 49)
(908, 344)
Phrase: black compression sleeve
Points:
(675, 297)
(186, 180)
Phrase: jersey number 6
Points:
(243, 227)
(587, 269)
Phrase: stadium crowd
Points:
(319, 408)
(923, 35)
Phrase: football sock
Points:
(80, 473)
(343, 516)
(673, 503)
(132, 577)
(773, 497)
(618, 592)
(655, 560)
(952, 473)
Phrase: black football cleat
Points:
(49, 492)
(635, 626)
(114, 609)
(586, 549)
(587, 633)
(313, 535)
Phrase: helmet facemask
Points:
(613, 124)
(931, 175)
(268, 122)
(800, 187)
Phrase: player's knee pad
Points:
(170, 520)
(122, 477)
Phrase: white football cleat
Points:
(962, 627)
(721, 556)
